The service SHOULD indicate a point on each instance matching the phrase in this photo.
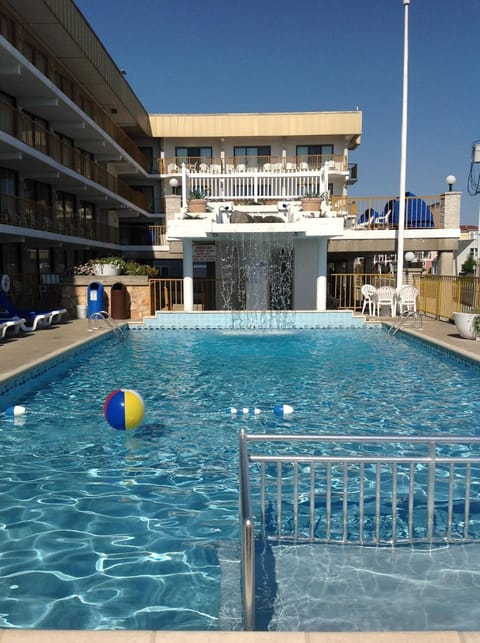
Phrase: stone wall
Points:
(135, 288)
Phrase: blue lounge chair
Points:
(33, 319)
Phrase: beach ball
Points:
(124, 409)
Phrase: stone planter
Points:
(106, 269)
(465, 325)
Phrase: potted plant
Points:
(108, 266)
(197, 201)
(468, 324)
(311, 202)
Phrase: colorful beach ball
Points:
(124, 409)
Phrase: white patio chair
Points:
(407, 299)
(386, 296)
(382, 220)
(368, 293)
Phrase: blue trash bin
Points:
(95, 297)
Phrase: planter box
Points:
(106, 269)
(311, 204)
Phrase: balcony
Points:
(26, 130)
(23, 213)
(28, 54)
(338, 164)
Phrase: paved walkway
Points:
(17, 354)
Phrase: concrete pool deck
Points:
(24, 351)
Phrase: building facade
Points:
(86, 172)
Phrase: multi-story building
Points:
(86, 172)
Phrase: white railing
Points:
(255, 185)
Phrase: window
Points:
(252, 156)
(193, 155)
(65, 210)
(314, 154)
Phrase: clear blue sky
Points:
(312, 55)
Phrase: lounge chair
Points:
(13, 325)
(33, 319)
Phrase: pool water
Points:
(131, 530)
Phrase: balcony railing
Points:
(24, 213)
(381, 213)
(229, 165)
(52, 69)
(28, 131)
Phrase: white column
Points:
(187, 274)
(184, 186)
(322, 274)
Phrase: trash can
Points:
(95, 297)
(119, 302)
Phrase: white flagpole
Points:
(403, 153)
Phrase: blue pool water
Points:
(107, 529)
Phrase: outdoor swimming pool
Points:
(139, 530)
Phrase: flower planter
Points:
(197, 205)
(311, 204)
(465, 323)
(106, 269)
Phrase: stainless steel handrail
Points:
(421, 495)
(247, 527)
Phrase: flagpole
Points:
(403, 152)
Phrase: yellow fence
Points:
(439, 297)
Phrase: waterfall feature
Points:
(255, 270)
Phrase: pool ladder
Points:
(102, 315)
(417, 322)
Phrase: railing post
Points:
(431, 489)
(247, 528)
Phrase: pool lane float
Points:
(283, 409)
(124, 409)
(15, 411)
(245, 411)
(278, 409)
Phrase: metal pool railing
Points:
(360, 490)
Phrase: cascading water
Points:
(255, 270)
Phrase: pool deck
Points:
(24, 351)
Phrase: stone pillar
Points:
(450, 208)
(321, 295)
(188, 274)
(446, 263)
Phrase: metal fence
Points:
(355, 490)
(439, 297)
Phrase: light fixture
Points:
(173, 183)
(451, 179)
(409, 256)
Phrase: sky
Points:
(224, 56)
